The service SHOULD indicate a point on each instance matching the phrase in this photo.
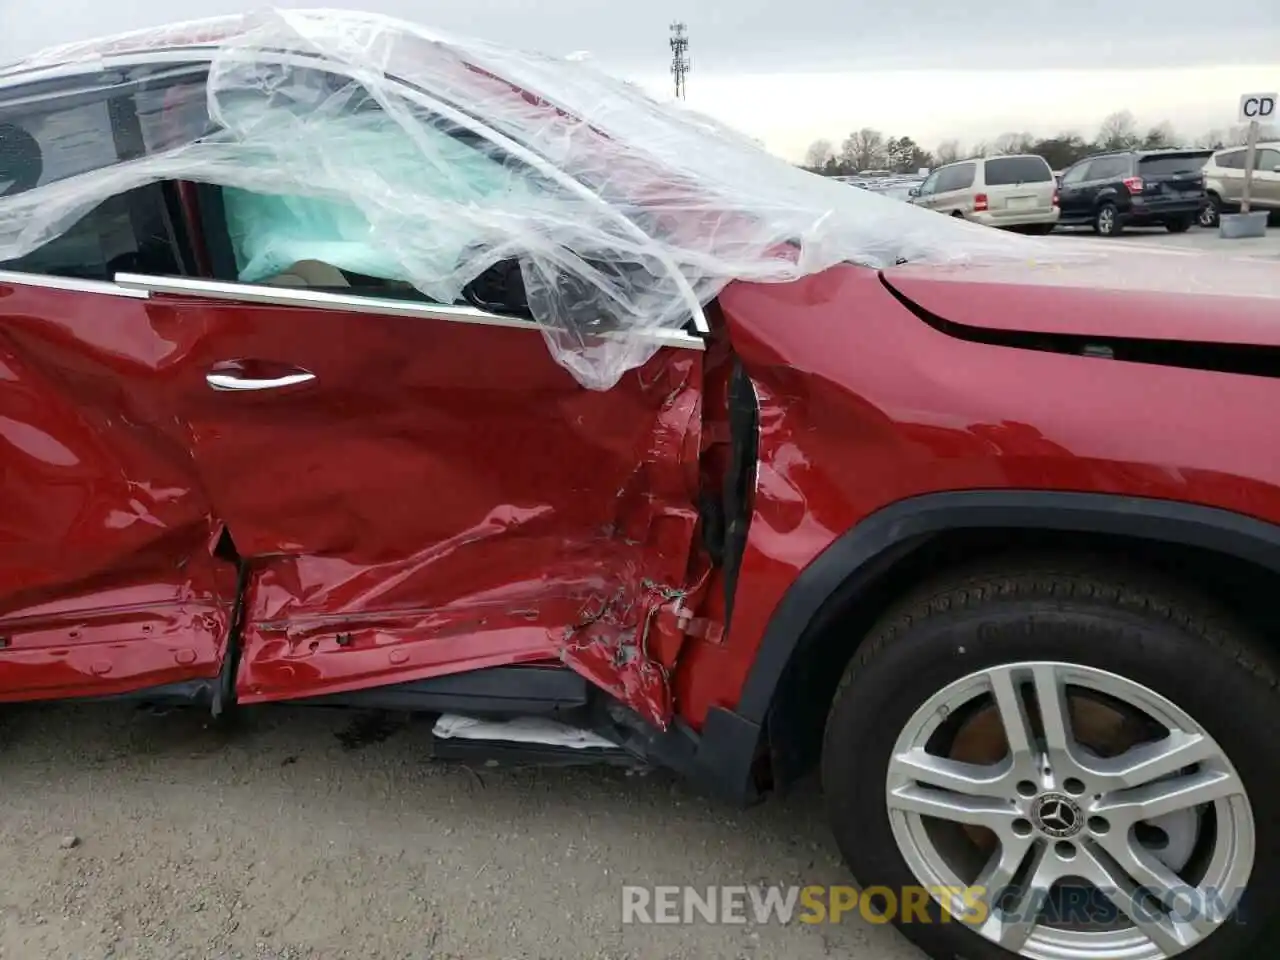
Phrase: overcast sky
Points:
(791, 71)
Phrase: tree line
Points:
(869, 149)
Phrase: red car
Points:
(992, 547)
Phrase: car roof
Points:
(195, 40)
(1245, 146)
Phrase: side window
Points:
(1232, 161)
(961, 177)
(89, 123)
(93, 121)
(930, 184)
(956, 177)
(134, 232)
(1075, 174)
(1266, 160)
(277, 238)
(1107, 168)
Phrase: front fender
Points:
(729, 744)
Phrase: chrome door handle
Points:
(228, 381)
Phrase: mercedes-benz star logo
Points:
(1057, 816)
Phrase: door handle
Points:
(229, 381)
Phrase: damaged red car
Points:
(345, 364)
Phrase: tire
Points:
(1211, 212)
(1146, 632)
(1179, 226)
(1106, 221)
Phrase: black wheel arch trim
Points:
(730, 741)
(908, 520)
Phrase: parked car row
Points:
(1173, 189)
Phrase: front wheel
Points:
(1053, 764)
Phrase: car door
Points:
(925, 192)
(417, 488)
(420, 490)
(954, 189)
(110, 581)
(1266, 177)
(1231, 166)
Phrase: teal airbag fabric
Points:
(269, 234)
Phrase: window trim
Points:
(47, 281)
(143, 285)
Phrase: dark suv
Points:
(1138, 188)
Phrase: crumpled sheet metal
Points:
(675, 205)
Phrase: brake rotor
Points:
(1105, 729)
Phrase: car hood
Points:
(1142, 295)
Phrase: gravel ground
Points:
(316, 834)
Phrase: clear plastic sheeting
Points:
(416, 157)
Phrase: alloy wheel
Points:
(1158, 830)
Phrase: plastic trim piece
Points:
(138, 284)
(491, 692)
(69, 283)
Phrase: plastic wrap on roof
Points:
(448, 156)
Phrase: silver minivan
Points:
(1016, 192)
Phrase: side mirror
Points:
(915, 191)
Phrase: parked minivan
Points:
(1016, 192)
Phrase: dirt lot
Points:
(312, 834)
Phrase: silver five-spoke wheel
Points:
(1068, 813)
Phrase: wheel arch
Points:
(864, 571)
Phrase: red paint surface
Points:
(444, 497)
(107, 582)
(1160, 296)
(441, 497)
(863, 404)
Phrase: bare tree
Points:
(1214, 139)
(981, 149)
(863, 149)
(819, 154)
(1118, 132)
(1161, 135)
(949, 151)
(1014, 143)
(1238, 136)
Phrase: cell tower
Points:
(679, 57)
